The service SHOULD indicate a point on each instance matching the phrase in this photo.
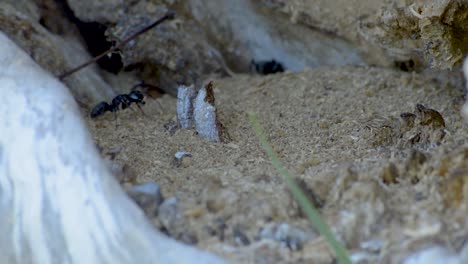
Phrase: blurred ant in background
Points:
(266, 67)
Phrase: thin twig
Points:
(168, 15)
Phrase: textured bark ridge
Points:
(204, 112)
(197, 109)
(59, 202)
(185, 97)
(465, 107)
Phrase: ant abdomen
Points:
(99, 109)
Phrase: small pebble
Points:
(171, 217)
(240, 238)
(195, 212)
(373, 245)
(291, 237)
(434, 255)
(219, 199)
(389, 174)
(182, 159)
(220, 228)
(171, 127)
(148, 196)
(188, 238)
(181, 154)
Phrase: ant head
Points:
(136, 96)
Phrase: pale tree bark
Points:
(58, 201)
(465, 73)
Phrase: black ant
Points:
(266, 67)
(121, 101)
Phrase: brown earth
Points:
(388, 175)
(380, 179)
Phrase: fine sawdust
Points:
(385, 187)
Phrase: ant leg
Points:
(116, 121)
(141, 84)
(141, 110)
(133, 108)
(160, 108)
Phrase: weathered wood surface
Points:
(58, 201)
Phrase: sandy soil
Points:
(388, 175)
(385, 185)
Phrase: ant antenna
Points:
(140, 84)
(168, 15)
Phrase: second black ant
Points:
(266, 67)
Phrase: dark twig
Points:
(168, 15)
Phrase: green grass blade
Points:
(300, 197)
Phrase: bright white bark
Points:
(58, 201)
